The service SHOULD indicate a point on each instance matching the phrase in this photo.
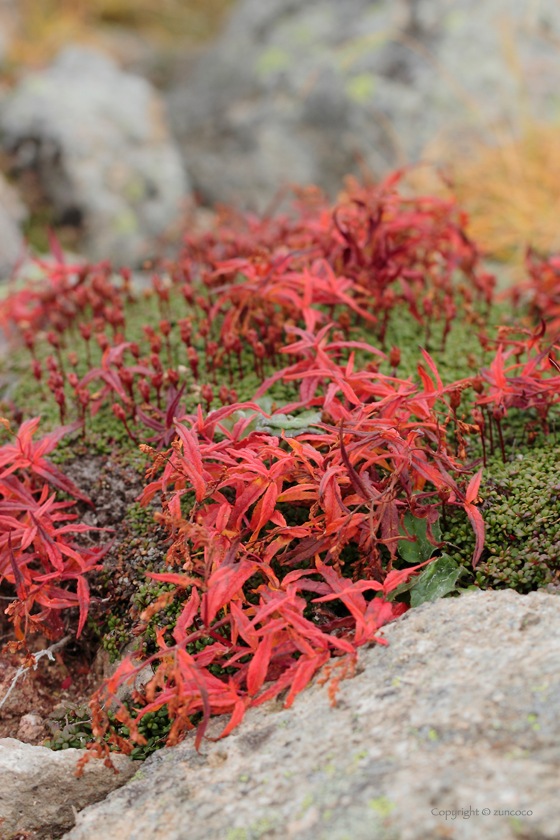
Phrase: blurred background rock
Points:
(118, 117)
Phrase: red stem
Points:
(499, 425)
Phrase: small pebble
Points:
(31, 728)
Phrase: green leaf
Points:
(288, 423)
(422, 549)
(437, 579)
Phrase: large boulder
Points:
(306, 91)
(98, 140)
(12, 214)
(453, 730)
(40, 793)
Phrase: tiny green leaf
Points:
(422, 549)
(437, 579)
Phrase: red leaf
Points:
(353, 475)
(477, 522)
(83, 600)
(395, 578)
(303, 674)
(267, 502)
(190, 610)
(432, 365)
(472, 489)
(258, 666)
(235, 719)
(224, 585)
(18, 577)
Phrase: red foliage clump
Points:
(36, 554)
(282, 549)
(248, 570)
(243, 284)
(543, 288)
(374, 251)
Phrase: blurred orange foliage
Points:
(44, 26)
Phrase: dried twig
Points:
(36, 656)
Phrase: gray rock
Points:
(104, 669)
(309, 90)
(12, 214)
(460, 711)
(39, 791)
(99, 142)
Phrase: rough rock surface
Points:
(39, 791)
(460, 711)
(98, 140)
(300, 90)
(12, 214)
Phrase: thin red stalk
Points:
(490, 432)
(499, 425)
